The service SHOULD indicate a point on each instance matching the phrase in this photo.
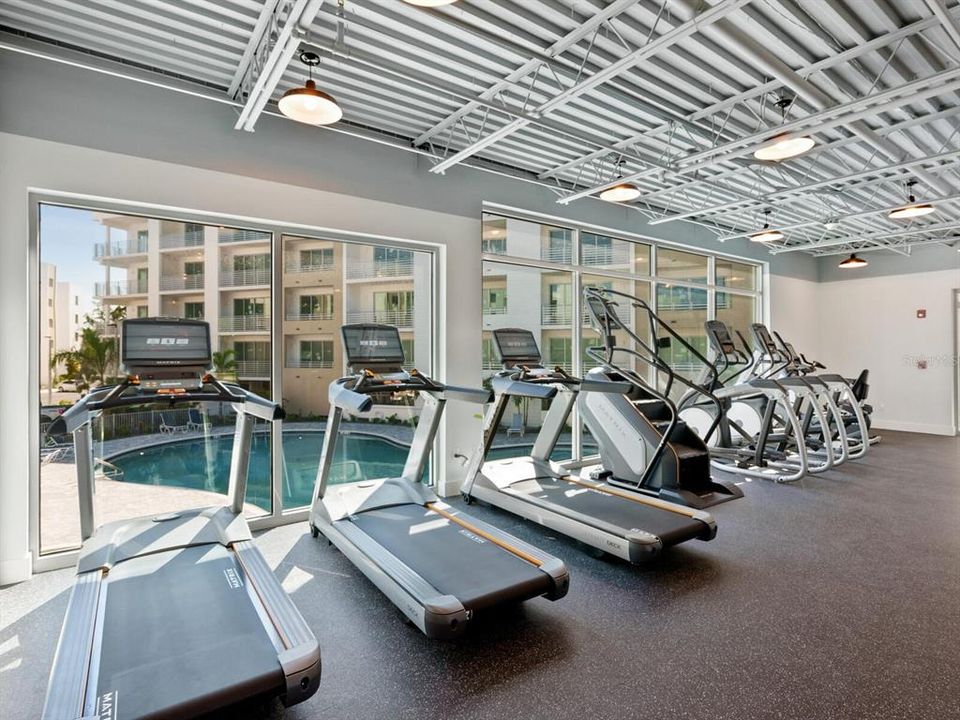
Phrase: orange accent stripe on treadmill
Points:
(635, 497)
(487, 536)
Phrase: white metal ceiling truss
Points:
(675, 95)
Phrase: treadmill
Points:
(623, 523)
(178, 614)
(437, 564)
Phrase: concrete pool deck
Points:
(117, 500)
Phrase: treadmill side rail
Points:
(71, 664)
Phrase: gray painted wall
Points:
(71, 105)
(930, 258)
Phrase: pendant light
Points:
(307, 104)
(624, 192)
(912, 209)
(785, 145)
(852, 262)
(766, 234)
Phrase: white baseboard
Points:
(881, 424)
(14, 571)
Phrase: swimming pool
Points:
(204, 463)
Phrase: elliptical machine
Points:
(644, 443)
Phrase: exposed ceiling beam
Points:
(950, 24)
(692, 26)
(919, 230)
(820, 66)
(561, 45)
(299, 16)
(249, 52)
(845, 114)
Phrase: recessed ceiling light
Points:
(307, 104)
(766, 234)
(853, 262)
(912, 209)
(784, 147)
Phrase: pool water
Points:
(204, 463)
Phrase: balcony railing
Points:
(379, 269)
(301, 363)
(240, 278)
(115, 287)
(556, 314)
(232, 235)
(133, 246)
(494, 311)
(183, 238)
(618, 254)
(558, 255)
(295, 266)
(245, 323)
(253, 368)
(181, 282)
(492, 364)
(297, 315)
(399, 318)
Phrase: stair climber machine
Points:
(759, 433)
(174, 615)
(621, 522)
(842, 423)
(644, 443)
(848, 393)
(437, 564)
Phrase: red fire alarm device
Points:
(921, 313)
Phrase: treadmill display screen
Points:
(516, 347)
(718, 331)
(151, 342)
(374, 345)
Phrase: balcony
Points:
(181, 239)
(562, 255)
(116, 288)
(397, 318)
(135, 246)
(244, 278)
(244, 323)
(311, 364)
(556, 314)
(494, 311)
(253, 369)
(618, 254)
(294, 266)
(376, 269)
(181, 282)
(234, 235)
(297, 315)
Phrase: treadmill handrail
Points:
(116, 396)
(353, 402)
(507, 385)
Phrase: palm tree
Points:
(224, 363)
(91, 361)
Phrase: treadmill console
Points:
(516, 346)
(373, 347)
(166, 353)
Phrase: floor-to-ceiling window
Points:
(98, 267)
(534, 273)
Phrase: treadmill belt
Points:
(181, 634)
(670, 527)
(452, 559)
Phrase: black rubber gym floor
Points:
(837, 598)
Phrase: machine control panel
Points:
(516, 346)
(165, 354)
(373, 347)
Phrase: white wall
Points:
(794, 312)
(871, 322)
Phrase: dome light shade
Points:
(765, 236)
(430, 3)
(309, 105)
(624, 192)
(913, 210)
(852, 262)
(783, 147)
